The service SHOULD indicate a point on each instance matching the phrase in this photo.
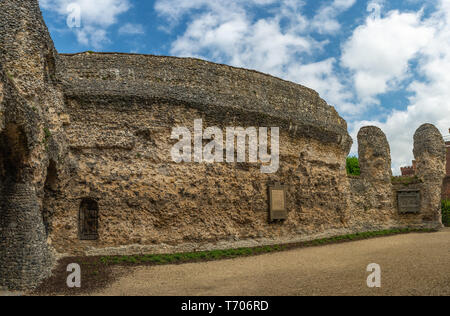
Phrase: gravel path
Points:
(413, 264)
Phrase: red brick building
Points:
(409, 171)
(446, 188)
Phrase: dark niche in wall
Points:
(13, 152)
(88, 220)
(50, 188)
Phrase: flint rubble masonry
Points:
(97, 127)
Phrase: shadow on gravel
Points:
(97, 272)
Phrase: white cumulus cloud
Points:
(323, 78)
(279, 43)
(379, 52)
(96, 17)
(325, 21)
(131, 29)
(430, 101)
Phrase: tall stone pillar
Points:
(374, 154)
(24, 254)
(375, 164)
(429, 152)
(31, 135)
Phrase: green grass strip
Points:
(160, 259)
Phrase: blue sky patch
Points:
(383, 63)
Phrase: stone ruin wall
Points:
(374, 194)
(148, 203)
(98, 126)
(122, 157)
(30, 105)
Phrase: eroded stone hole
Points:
(49, 64)
(88, 220)
(51, 181)
(51, 185)
(13, 153)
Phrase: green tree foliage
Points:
(446, 212)
(353, 166)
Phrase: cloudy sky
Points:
(383, 63)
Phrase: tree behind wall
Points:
(446, 212)
(353, 166)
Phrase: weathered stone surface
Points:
(98, 126)
(122, 158)
(374, 154)
(2, 95)
(430, 154)
(30, 136)
(24, 252)
(217, 90)
(371, 196)
(145, 198)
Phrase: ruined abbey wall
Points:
(121, 111)
(122, 156)
(30, 105)
(94, 130)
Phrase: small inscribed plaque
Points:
(278, 200)
(408, 201)
(278, 209)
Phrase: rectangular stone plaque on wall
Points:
(408, 201)
(278, 208)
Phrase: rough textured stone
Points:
(23, 250)
(2, 95)
(371, 194)
(146, 198)
(216, 90)
(430, 154)
(374, 154)
(98, 126)
(30, 136)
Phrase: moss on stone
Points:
(406, 180)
